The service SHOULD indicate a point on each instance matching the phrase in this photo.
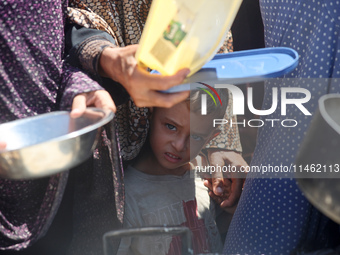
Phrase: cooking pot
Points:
(318, 160)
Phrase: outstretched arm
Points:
(96, 52)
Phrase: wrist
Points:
(106, 61)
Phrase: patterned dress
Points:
(273, 216)
(34, 79)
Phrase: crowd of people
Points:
(68, 55)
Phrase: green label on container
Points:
(174, 33)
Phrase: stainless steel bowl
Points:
(318, 160)
(49, 143)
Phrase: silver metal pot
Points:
(318, 160)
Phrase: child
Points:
(159, 189)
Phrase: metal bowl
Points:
(49, 143)
(318, 160)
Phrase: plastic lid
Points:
(243, 66)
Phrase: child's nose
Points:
(181, 144)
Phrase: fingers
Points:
(231, 186)
(157, 99)
(156, 82)
(226, 189)
(132, 48)
(144, 88)
(162, 82)
(220, 200)
(120, 65)
(230, 197)
(100, 99)
(236, 190)
(176, 79)
(78, 106)
(217, 183)
(208, 183)
(217, 176)
(217, 199)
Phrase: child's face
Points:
(170, 137)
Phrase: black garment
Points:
(59, 235)
(247, 29)
(76, 36)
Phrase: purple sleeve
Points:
(75, 82)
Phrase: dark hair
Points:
(218, 110)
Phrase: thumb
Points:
(218, 187)
(78, 106)
(217, 183)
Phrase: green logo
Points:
(174, 33)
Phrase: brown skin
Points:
(98, 98)
(176, 137)
(225, 190)
(120, 65)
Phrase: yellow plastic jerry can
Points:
(184, 33)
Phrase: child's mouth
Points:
(171, 157)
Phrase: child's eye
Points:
(171, 127)
(196, 137)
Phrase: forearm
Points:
(75, 82)
(84, 47)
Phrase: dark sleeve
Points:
(83, 47)
(78, 42)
